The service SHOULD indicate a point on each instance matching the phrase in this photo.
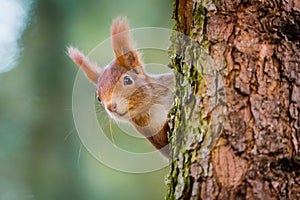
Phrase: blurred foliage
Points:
(41, 156)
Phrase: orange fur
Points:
(122, 44)
(145, 102)
(108, 79)
(91, 71)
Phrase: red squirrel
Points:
(127, 92)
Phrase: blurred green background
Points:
(41, 156)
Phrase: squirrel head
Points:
(126, 91)
(122, 86)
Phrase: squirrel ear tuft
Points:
(91, 71)
(122, 44)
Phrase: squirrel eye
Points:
(99, 99)
(127, 80)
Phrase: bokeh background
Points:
(41, 156)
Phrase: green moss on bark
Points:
(188, 124)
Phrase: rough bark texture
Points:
(235, 125)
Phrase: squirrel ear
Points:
(129, 58)
(122, 44)
(91, 71)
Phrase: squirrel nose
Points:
(112, 107)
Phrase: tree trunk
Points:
(235, 125)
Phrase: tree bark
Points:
(235, 124)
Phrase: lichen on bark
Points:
(194, 129)
(235, 124)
